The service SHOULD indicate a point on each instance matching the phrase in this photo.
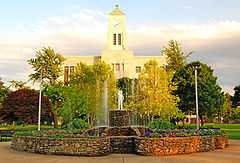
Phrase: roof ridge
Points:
(117, 11)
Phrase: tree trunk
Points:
(91, 119)
(55, 120)
(202, 120)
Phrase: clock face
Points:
(116, 24)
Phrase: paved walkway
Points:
(228, 155)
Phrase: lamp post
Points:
(196, 94)
(40, 102)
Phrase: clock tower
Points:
(116, 39)
(116, 53)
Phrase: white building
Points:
(117, 54)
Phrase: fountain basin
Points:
(100, 146)
(119, 118)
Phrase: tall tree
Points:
(84, 80)
(56, 97)
(220, 108)
(74, 111)
(48, 66)
(209, 92)
(176, 58)
(154, 92)
(90, 80)
(48, 63)
(236, 96)
(227, 107)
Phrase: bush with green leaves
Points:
(53, 133)
(74, 111)
(159, 133)
(235, 114)
(161, 124)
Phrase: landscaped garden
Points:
(153, 121)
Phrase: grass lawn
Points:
(233, 130)
(25, 127)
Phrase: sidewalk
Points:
(230, 154)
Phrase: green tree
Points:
(103, 73)
(176, 58)
(236, 97)
(235, 114)
(48, 66)
(227, 107)
(48, 63)
(90, 80)
(84, 79)
(209, 92)
(220, 109)
(56, 96)
(74, 111)
(153, 97)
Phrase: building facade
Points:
(117, 54)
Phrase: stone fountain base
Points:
(120, 118)
(120, 137)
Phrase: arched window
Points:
(119, 39)
(114, 39)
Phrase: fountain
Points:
(120, 132)
(119, 137)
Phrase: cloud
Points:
(214, 43)
(84, 33)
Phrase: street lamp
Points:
(40, 102)
(196, 94)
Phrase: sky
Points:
(209, 28)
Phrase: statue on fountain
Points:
(120, 117)
(120, 100)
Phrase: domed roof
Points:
(117, 11)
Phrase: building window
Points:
(66, 74)
(71, 70)
(138, 69)
(117, 67)
(119, 39)
(114, 39)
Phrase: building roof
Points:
(117, 11)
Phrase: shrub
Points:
(161, 124)
(158, 133)
(77, 124)
(56, 136)
(235, 114)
